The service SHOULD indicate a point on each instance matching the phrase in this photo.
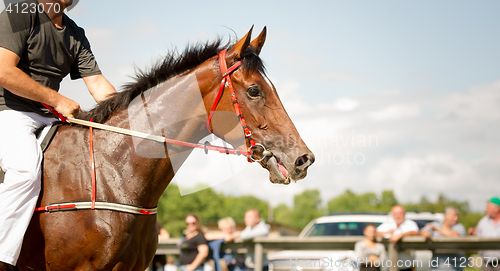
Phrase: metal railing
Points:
(259, 245)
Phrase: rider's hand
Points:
(67, 107)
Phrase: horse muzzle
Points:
(283, 172)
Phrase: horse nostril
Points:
(301, 160)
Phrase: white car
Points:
(339, 225)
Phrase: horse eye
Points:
(253, 92)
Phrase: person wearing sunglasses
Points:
(194, 249)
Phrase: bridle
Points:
(255, 153)
(226, 80)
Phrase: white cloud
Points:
(414, 176)
(480, 103)
(345, 104)
(395, 112)
(288, 92)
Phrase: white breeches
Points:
(21, 159)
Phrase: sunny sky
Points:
(401, 95)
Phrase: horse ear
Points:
(241, 45)
(258, 43)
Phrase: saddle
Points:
(44, 135)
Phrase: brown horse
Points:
(111, 240)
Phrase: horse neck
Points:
(175, 110)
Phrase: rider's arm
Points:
(19, 83)
(99, 87)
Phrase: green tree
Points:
(387, 200)
(346, 202)
(236, 207)
(466, 216)
(173, 208)
(283, 215)
(350, 202)
(470, 219)
(306, 207)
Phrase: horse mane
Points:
(172, 65)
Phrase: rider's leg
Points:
(20, 158)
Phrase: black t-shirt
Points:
(189, 248)
(47, 53)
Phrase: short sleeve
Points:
(85, 63)
(460, 229)
(411, 226)
(384, 227)
(14, 31)
(201, 240)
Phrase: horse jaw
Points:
(278, 173)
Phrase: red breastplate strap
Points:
(226, 79)
(92, 205)
(92, 165)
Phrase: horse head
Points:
(286, 155)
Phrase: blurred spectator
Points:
(225, 261)
(396, 228)
(254, 227)
(170, 266)
(372, 253)
(449, 227)
(489, 226)
(194, 249)
(228, 230)
(162, 232)
(232, 260)
(159, 261)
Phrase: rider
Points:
(39, 46)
